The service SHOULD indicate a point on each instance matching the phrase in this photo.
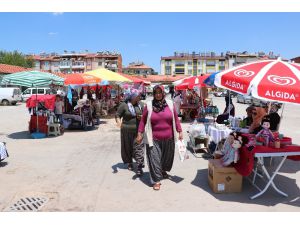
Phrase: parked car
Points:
(39, 91)
(259, 103)
(10, 95)
(245, 99)
(219, 94)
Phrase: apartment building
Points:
(207, 62)
(77, 62)
(192, 64)
(138, 68)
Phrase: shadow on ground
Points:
(3, 164)
(20, 135)
(117, 166)
(269, 198)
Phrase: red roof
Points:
(8, 69)
(162, 78)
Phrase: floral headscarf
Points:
(131, 94)
(159, 105)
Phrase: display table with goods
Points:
(247, 163)
(218, 132)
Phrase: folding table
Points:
(260, 155)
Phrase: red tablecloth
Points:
(42, 120)
(246, 162)
(49, 101)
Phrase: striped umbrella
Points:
(32, 79)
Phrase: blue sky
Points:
(148, 36)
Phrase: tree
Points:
(15, 58)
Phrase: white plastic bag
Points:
(183, 154)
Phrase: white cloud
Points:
(57, 13)
(52, 33)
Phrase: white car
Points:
(39, 91)
(10, 95)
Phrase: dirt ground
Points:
(83, 171)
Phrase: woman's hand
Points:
(139, 138)
(180, 136)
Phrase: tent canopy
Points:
(108, 75)
(32, 79)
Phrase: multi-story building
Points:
(296, 59)
(138, 68)
(77, 62)
(207, 62)
(192, 64)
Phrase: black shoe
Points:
(165, 175)
(130, 167)
(139, 172)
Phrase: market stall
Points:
(195, 102)
(35, 79)
(270, 80)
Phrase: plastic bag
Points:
(183, 154)
(197, 130)
(3, 151)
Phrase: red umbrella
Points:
(191, 82)
(78, 78)
(271, 80)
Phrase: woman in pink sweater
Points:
(159, 123)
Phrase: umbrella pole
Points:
(36, 112)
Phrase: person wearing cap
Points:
(159, 124)
(130, 112)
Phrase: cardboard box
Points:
(223, 179)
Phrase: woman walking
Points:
(130, 111)
(159, 123)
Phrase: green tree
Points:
(15, 58)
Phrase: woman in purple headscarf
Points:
(130, 112)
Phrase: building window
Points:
(168, 62)
(190, 63)
(179, 70)
(99, 63)
(190, 72)
(210, 63)
(199, 62)
(199, 71)
(179, 63)
(168, 70)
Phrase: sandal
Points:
(156, 186)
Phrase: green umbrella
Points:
(32, 79)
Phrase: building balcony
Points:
(78, 66)
(66, 66)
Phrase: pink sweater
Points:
(162, 126)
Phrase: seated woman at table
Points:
(229, 111)
(257, 115)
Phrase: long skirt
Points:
(130, 149)
(160, 158)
